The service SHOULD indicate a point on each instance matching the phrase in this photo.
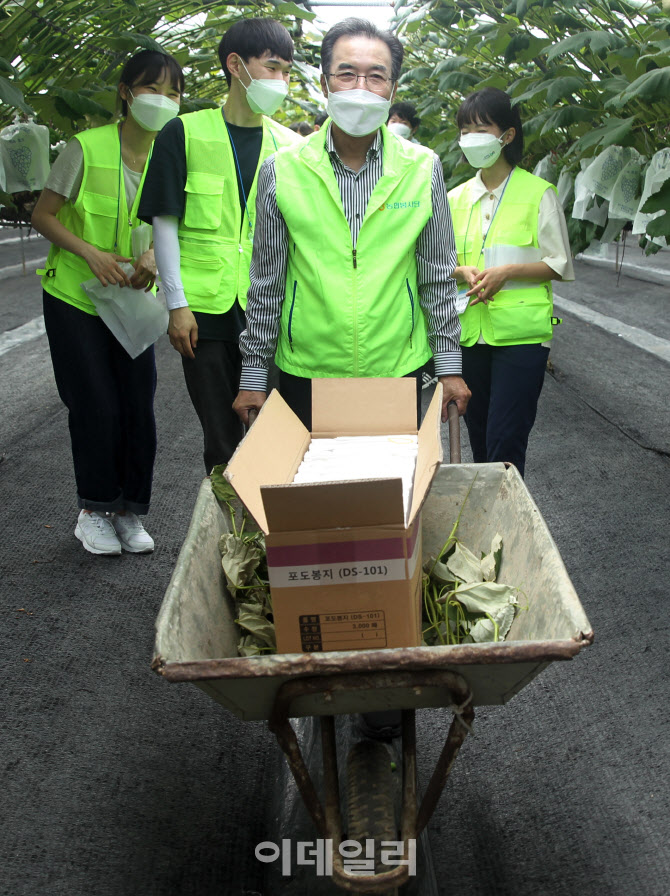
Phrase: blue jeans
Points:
(110, 400)
(505, 382)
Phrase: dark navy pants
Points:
(110, 399)
(212, 380)
(505, 382)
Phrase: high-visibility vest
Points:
(521, 312)
(99, 215)
(215, 241)
(353, 312)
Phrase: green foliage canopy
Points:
(587, 75)
(61, 60)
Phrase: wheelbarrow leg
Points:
(458, 730)
(289, 743)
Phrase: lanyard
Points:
(118, 195)
(118, 192)
(239, 171)
(465, 238)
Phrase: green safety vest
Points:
(215, 244)
(99, 215)
(522, 314)
(352, 312)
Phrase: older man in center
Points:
(353, 258)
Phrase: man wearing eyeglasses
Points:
(351, 272)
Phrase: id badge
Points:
(462, 299)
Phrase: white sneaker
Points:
(132, 534)
(97, 534)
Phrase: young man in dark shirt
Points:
(200, 196)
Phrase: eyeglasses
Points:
(374, 81)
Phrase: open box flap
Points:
(276, 427)
(265, 463)
(363, 407)
(430, 453)
(333, 505)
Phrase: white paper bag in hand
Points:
(135, 317)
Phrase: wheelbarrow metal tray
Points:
(196, 636)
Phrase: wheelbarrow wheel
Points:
(370, 801)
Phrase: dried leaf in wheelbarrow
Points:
(240, 559)
(490, 563)
(494, 603)
(494, 628)
(464, 565)
(462, 601)
(262, 630)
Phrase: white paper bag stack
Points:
(361, 457)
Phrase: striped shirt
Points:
(435, 255)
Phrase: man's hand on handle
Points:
(454, 389)
(247, 400)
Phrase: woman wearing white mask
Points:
(512, 241)
(88, 210)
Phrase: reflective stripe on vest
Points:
(215, 242)
(515, 316)
(99, 215)
(352, 313)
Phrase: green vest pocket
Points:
(520, 323)
(204, 201)
(100, 221)
(202, 268)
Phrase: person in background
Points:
(200, 195)
(303, 128)
(88, 210)
(404, 121)
(352, 265)
(319, 120)
(512, 241)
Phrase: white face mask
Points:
(265, 95)
(357, 112)
(481, 150)
(152, 111)
(402, 130)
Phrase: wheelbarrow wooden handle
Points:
(454, 433)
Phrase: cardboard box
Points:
(344, 562)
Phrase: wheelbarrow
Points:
(196, 641)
